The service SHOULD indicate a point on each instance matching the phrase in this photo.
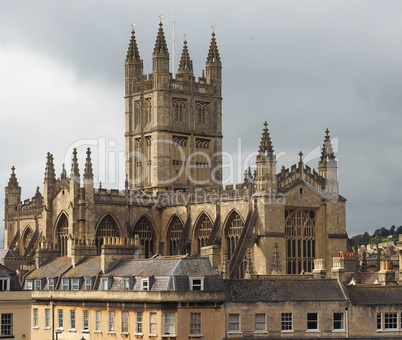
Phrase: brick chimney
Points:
(386, 275)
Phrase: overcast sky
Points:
(303, 66)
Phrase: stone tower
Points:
(173, 125)
(12, 205)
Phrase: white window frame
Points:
(37, 284)
(169, 325)
(258, 322)
(47, 318)
(198, 285)
(232, 323)
(153, 321)
(60, 324)
(317, 321)
(196, 323)
(88, 284)
(105, 283)
(35, 318)
(4, 283)
(85, 320)
(75, 284)
(387, 318)
(6, 327)
(65, 284)
(138, 323)
(286, 320)
(98, 321)
(124, 322)
(72, 320)
(342, 321)
(29, 284)
(110, 326)
(50, 284)
(126, 284)
(145, 284)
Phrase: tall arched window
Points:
(26, 238)
(148, 112)
(300, 240)
(179, 110)
(202, 112)
(144, 230)
(174, 233)
(137, 112)
(202, 231)
(62, 234)
(234, 228)
(106, 228)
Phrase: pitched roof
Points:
(283, 290)
(5, 272)
(88, 267)
(53, 268)
(8, 253)
(374, 295)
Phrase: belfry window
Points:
(201, 112)
(300, 240)
(179, 109)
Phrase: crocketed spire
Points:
(50, 174)
(13, 183)
(74, 168)
(186, 65)
(88, 174)
(327, 151)
(160, 44)
(213, 54)
(63, 172)
(266, 144)
(132, 54)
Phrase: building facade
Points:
(273, 222)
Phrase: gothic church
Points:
(173, 202)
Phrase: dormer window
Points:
(196, 283)
(65, 284)
(88, 284)
(126, 284)
(50, 284)
(38, 284)
(29, 284)
(5, 284)
(145, 284)
(105, 284)
(75, 284)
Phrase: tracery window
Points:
(27, 237)
(179, 110)
(137, 112)
(107, 228)
(201, 112)
(179, 156)
(144, 230)
(62, 234)
(203, 230)
(234, 228)
(148, 155)
(148, 111)
(300, 240)
(174, 234)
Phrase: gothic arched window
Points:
(300, 240)
(174, 233)
(107, 228)
(148, 112)
(179, 110)
(233, 230)
(137, 112)
(27, 237)
(144, 230)
(62, 234)
(202, 112)
(202, 231)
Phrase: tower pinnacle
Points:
(266, 143)
(74, 168)
(213, 54)
(13, 183)
(327, 152)
(160, 48)
(50, 174)
(133, 56)
(186, 65)
(88, 173)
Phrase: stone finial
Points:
(186, 64)
(88, 173)
(63, 172)
(75, 172)
(50, 174)
(327, 152)
(132, 53)
(266, 143)
(12, 182)
(160, 43)
(213, 53)
(276, 265)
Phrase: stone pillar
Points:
(319, 270)
(338, 270)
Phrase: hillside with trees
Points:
(380, 235)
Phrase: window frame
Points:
(88, 283)
(316, 321)
(287, 322)
(124, 322)
(153, 322)
(65, 284)
(260, 322)
(126, 284)
(145, 284)
(138, 322)
(169, 324)
(85, 320)
(197, 285)
(4, 284)
(37, 284)
(60, 323)
(389, 319)
(98, 321)
(50, 284)
(196, 323)
(110, 319)
(75, 284)
(104, 281)
(72, 320)
(6, 325)
(342, 321)
(47, 318)
(35, 318)
(232, 328)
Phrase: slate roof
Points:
(53, 268)
(8, 273)
(5, 272)
(374, 295)
(283, 290)
(88, 267)
(8, 253)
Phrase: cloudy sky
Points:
(301, 65)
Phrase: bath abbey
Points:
(278, 221)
